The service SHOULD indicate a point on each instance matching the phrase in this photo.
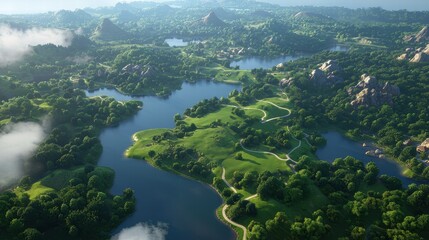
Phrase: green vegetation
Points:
(256, 147)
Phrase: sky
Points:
(37, 6)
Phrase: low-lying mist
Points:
(143, 231)
(17, 143)
(15, 44)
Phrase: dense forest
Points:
(256, 147)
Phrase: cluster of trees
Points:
(391, 124)
(252, 92)
(205, 106)
(394, 213)
(81, 209)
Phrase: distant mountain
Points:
(126, 16)
(72, 18)
(212, 20)
(108, 31)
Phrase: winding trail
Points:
(288, 158)
(226, 182)
(226, 207)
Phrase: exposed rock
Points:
(424, 146)
(369, 92)
(326, 74)
(420, 57)
(212, 20)
(108, 31)
(330, 66)
(421, 36)
(286, 82)
(149, 71)
(402, 57)
(415, 56)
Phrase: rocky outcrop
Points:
(212, 20)
(421, 36)
(286, 82)
(424, 146)
(415, 56)
(326, 74)
(369, 92)
(145, 71)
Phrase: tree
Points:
(32, 234)
(358, 233)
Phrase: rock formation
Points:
(286, 82)
(424, 146)
(417, 56)
(421, 36)
(326, 74)
(369, 92)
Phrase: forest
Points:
(257, 147)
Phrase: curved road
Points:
(288, 158)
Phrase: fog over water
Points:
(143, 231)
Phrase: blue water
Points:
(263, 62)
(187, 206)
(253, 62)
(339, 146)
(175, 42)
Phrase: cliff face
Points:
(108, 31)
(370, 92)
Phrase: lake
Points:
(338, 146)
(249, 63)
(263, 62)
(175, 42)
(186, 206)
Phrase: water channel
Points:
(186, 206)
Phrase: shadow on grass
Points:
(250, 160)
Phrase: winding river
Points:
(186, 206)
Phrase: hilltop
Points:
(108, 31)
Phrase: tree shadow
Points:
(250, 160)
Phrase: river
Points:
(186, 206)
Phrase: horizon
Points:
(43, 6)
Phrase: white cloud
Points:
(16, 44)
(143, 231)
(17, 143)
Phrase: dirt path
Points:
(226, 207)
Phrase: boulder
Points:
(326, 74)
